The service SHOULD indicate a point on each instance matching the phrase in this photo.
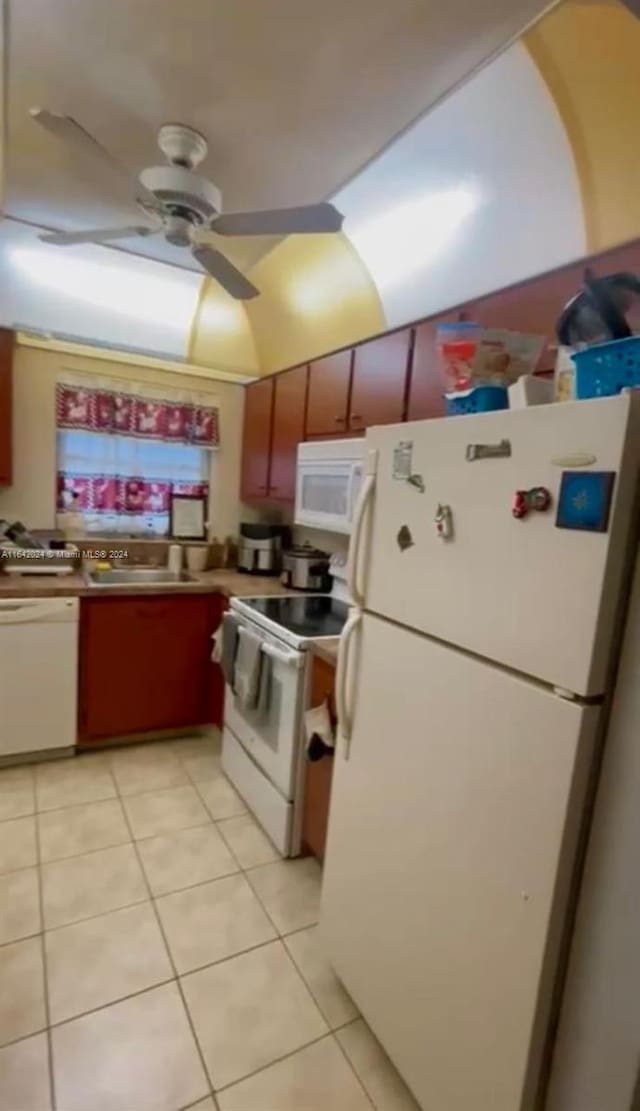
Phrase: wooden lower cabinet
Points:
(145, 664)
(319, 775)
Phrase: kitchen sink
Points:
(139, 576)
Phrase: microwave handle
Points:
(354, 561)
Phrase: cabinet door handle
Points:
(356, 418)
(340, 420)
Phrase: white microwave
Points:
(328, 479)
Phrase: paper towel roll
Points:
(174, 561)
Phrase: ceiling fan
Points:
(182, 205)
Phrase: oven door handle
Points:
(293, 659)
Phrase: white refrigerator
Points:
(489, 562)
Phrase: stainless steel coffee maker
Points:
(260, 548)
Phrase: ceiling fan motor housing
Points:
(184, 193)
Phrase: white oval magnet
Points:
(577, 459)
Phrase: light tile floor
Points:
(156, 954)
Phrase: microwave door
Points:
(324, 495)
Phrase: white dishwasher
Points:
(38, 674)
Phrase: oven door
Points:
(272, 737)
(326, 493)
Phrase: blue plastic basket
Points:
(480, 399)
(607, 368)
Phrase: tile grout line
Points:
(332, 1029)
(43, 952)
(110, 1003)
(278, 938)
(176, 979)
(191, 886)
(153, 898)
(276, 1061)
(75, 921)
(350, 1062)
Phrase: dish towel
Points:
(229, 647)
(248, 665)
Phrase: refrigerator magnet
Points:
(402, 456)
(584, 501)
(444, 522)
(404, 539)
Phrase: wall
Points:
(530, 164)
(32, 495)
(317, 295)
(588, 56)
(221, 334)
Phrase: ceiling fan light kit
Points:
(183, 205)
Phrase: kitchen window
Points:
(122, 454)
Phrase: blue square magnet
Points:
(585, 500)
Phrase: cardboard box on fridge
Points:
(503, 356)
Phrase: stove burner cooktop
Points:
(309, 615)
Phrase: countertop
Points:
(75, 585)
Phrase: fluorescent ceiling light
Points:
(402, 240)
(128, 290)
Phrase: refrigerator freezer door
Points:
(447, 556)
(452, 838)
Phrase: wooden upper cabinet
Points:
(379, 380)
(328, 398)
(6, 415)
(256, 439)
(426, 394)
(288, 430)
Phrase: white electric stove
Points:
(264, 753)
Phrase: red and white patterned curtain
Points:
(124, 454)
(128, 414)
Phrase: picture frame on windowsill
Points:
(187, 517)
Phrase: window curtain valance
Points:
(182, 419)
(122, 452)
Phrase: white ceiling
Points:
(294, 96)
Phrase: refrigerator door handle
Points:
(356, 590)
(344, 715)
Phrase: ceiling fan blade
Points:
(71, 132)
(305, 219)
(95, 235)
(219, 267)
